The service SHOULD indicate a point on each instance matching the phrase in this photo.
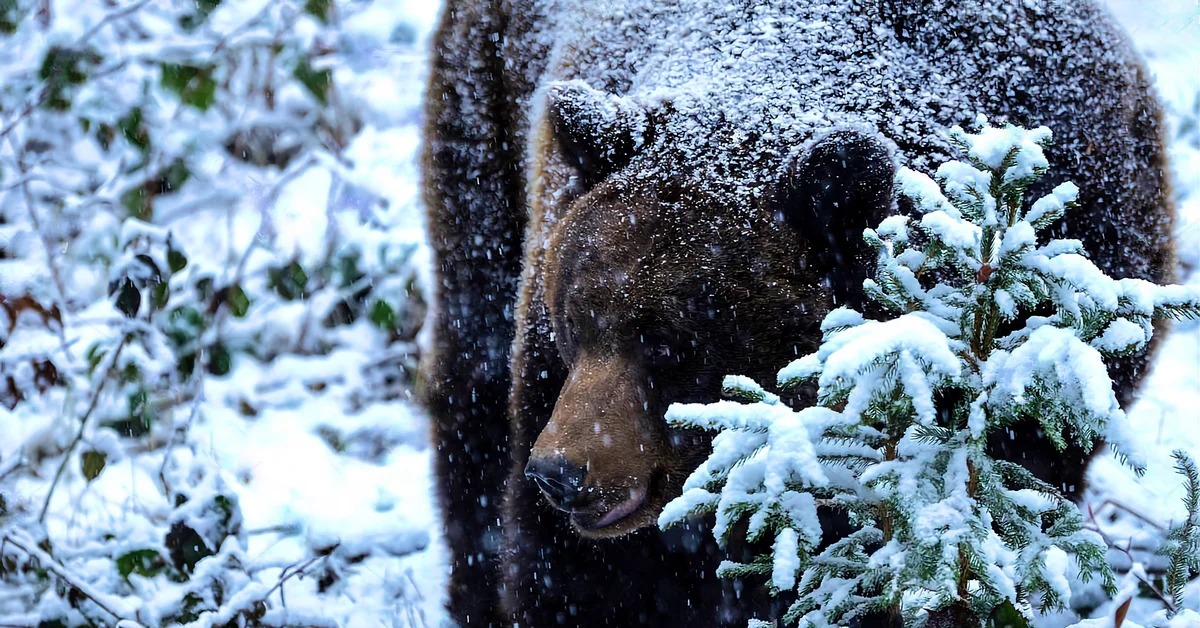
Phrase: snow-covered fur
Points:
(630, 199)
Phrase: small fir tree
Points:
(942, 529)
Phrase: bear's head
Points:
(656, 289)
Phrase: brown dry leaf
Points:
(1119, 615)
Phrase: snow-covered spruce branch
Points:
(1182, 546)
(905, 407)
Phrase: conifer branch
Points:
(906, 407)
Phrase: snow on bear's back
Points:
(774, 74)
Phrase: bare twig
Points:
(197, 399)
(287, 529)
(243, 27)
(12, 464)
(25, 111)
(295, 571)
(114, 607)
(19, 358)
(1127, 549)
(412, 606)
(44, 14)
(1119, 506)
(83, 422)
(55, 275)
(114, 15)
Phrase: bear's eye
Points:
(658, 352)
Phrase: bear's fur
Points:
(629, 199)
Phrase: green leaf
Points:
(346, 270)
(174, 176)
(137, 403)
(92, 462)
(320, 9)
(227, 507)
(144, 562)
(184, 325)
(289, 282)
(207, 6)
(176, 260)
(204, 288)
(129, 298)
(10, 15)
(317, 81)
(186, 546)
(105, 135)
(66, 66)
(193, 84)
(175, 77)
(383, 315)
(160, 293)
(135, 132)
(61, 69)
(138, 203)
(187, 365)
(154, 274)
(192, 21)
(219, 360)
(94, 355)
(203, 95)
(238, 302)
(140, 416)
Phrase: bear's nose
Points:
(560, 480)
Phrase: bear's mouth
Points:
(601, 516)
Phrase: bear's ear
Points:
(598, 133)
(843, 185)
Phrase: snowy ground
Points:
(317, 457)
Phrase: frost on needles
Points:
(905, 406)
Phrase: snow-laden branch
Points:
(907, 406)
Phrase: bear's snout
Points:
(561, 481)
(600, 454)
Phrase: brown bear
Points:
(629, 199)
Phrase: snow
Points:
(314, 453)
(286, 473)
(921, 187)
(786, 560)
(863, 362)
(1055, 354)
(916, 341)
(693, 500)
(993, 146)
(1119, 336)
(1051, 206)
(1057, 564)
(953, 231)
(1083, 275)
(967, 185)
(744, 386)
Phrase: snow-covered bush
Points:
(154, 235)
(943, 532)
